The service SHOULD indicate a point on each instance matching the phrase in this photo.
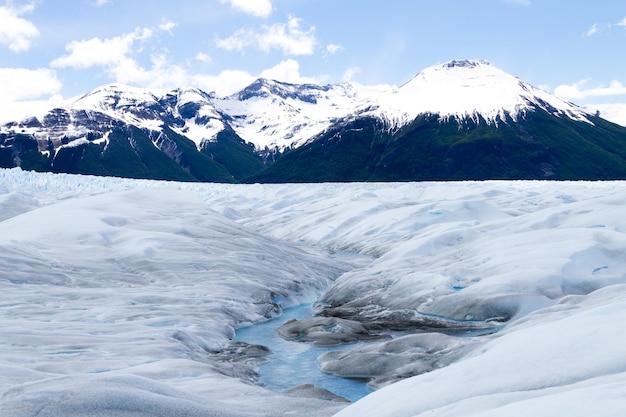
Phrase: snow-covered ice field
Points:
(121, 297)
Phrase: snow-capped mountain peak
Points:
(179, 97)
(275, 115)
(264, 87)
(132, 105)
(187, 110)
(194, 113)
(114, 96)
(470, 89)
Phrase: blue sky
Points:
(52, 50)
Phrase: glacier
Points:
(123, 297)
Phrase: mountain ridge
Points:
(253, 134)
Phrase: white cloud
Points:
(579, 91)
(16, 32)
(21, 84)
(167, 26)
(614, 112)
(100, 52)
(594, 29)
(332, 48)
(622, 22)
(223, 84)
(289, 37)
(19, 110)
(258, 8)
(288, 71)
(230, 81)
(202, 57)
(26, 92)
(349, 73)
(100, 3)
(119, 57)
(161, 73)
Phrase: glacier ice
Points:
(122, 297)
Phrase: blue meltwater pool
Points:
(295, 363)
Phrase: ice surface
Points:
(121, 297)
(390, 361)
(567, 359)
(145, 284)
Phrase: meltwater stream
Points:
(295, 363)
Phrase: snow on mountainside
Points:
(272, 114)
(277, 116)
(131, 104)
(198, 118)
(469, 89)
(189, 111)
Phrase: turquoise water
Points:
(295, 363)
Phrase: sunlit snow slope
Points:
(120, 297)
(469, 89)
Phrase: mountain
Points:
(131, 132)
(277, 116)
(459, 120)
